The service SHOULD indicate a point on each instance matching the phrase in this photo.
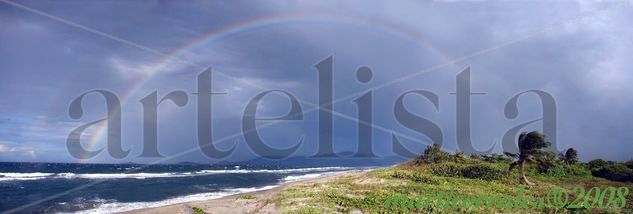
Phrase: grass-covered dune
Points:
(435, 173)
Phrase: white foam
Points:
(315, 169)
(293, 178)
(8, 176)
(302, 177)
(128, 175)
(117, 207)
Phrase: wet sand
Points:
(234, 204)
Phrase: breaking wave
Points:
(9, 176)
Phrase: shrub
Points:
(615, 172)
(476, 157)
(562, 170)
(459, 157)
(629, 164)
(611, 170)
(476, 171)
(483, 171)
(492, 158)
(570, 156)
(577, 170)
(198, 210)
(413, 176)
(554, 171)
(446, 170)
(546, 161)
(433, 154)
(597, 164)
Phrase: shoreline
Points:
(256, 202)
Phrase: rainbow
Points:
(260, 23)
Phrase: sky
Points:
(52, 52)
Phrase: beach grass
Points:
(368, 192)
(198, 210)
(247, 196)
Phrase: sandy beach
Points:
(236, 204)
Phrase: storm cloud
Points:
(52, 52)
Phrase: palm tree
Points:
(571, 156)
(530, 144)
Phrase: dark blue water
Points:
(56, 187)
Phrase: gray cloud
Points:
(583, 63)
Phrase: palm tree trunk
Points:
(523, 177)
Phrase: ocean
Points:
(107, 188)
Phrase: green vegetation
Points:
(436, 171)
(530, 145)
(611, 170)
(570, 156)
(485, 171)
(246, 196)
(198, 210)
(432, 154)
